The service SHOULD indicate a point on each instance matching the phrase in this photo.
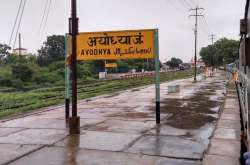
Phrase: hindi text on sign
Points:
(136, 44)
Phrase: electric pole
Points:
(214, 61)
(212, 37)
(74, 121)
(19, 51)
(196, 15)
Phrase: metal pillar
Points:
(67, 78)
(74, 121)
(157, 78)
(195, 54)
(196, 15)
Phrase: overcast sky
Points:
(170, 16)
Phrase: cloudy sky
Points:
(170, 16)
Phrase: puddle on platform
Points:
(195, 111)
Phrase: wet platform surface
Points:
(225, 143)
(120, 129)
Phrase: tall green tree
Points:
(52, 50)
(222, 52)
(174, 62)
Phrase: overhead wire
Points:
(19, 23)
(204, 25)
(183, 4)
(187, 3)
(205, 21)
(14, 26)
(175, 7)
(47, 15)
(43, 15)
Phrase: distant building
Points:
(199, 63)
(165, 67)
(20, 51)
(184, 66)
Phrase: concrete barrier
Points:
(174, 88)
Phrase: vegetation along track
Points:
(18, 101)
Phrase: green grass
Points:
(16, 102)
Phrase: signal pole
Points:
(74, 121)
(196, 15)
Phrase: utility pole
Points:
(212, 37)
(214, 61)
(196, 15)
(19, 50)
(74, 121)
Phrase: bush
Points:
(22, 72)
(57, 65)
(85, 70)
(5, 82)
(17, 83)
(5, 71)
(49, 77)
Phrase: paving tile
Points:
(169, 146)
(167, 131)
(123, 126)
(28, 122)
(230, 117)
(63, 156)
(232, 124)
(232, 95)
(10, 152)
(225, 133)
(7, 131)
(34, 136)
(100, 140)
(231, 104)
(49, 115)
(219, 160)
(46, 123)
(231, 111)
(224, 148)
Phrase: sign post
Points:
(67, 77)
(112, 45)
(74, 120)
(157, 77)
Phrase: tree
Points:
(52, 50)
(223, 51)
(4, 51)
(174, 62)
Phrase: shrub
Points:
(57, 65)
(49, 77)
(22, 72)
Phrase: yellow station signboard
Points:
(132, 44)
(111, 65)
